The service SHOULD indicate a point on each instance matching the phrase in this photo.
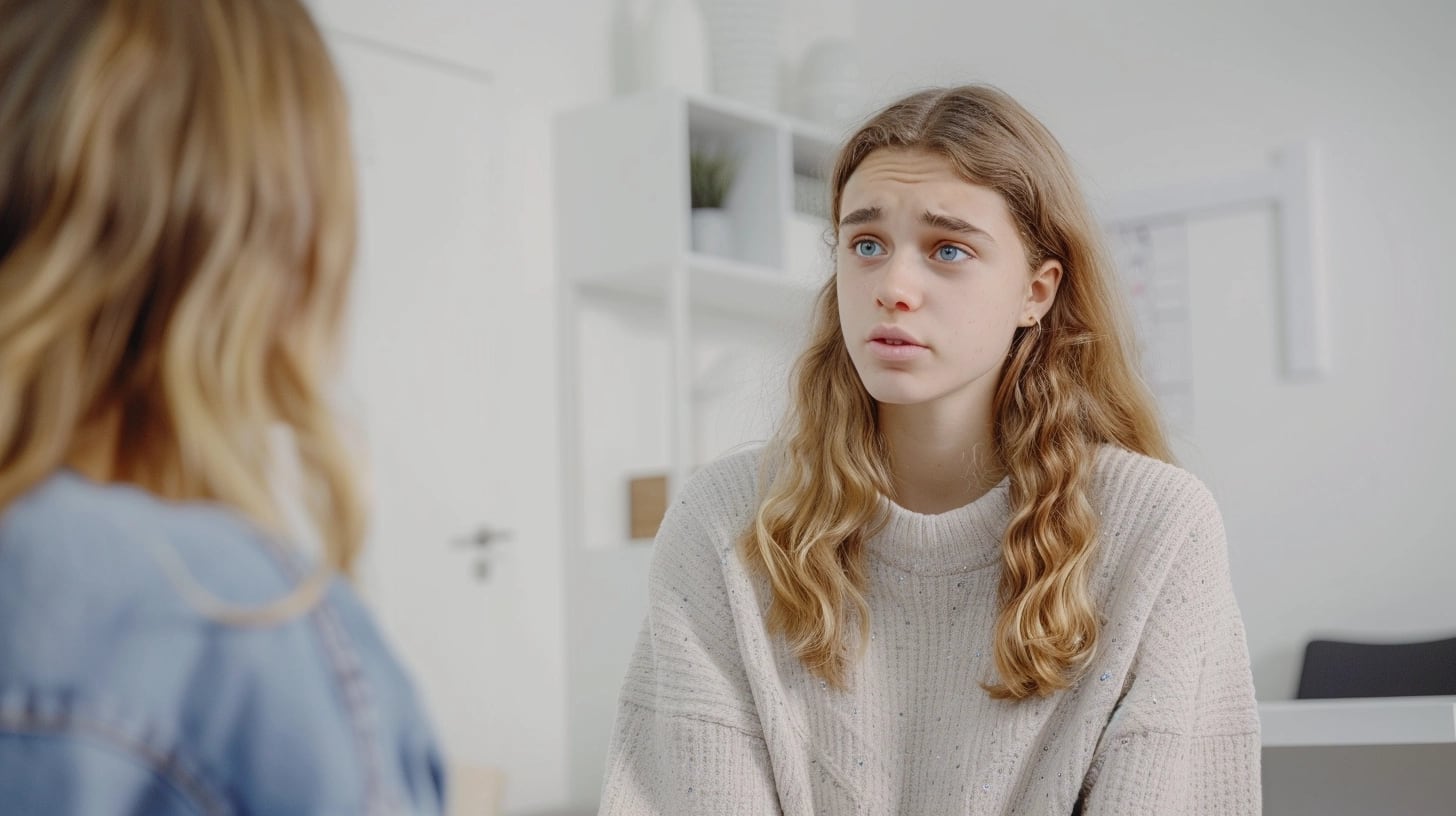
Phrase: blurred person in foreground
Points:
(176, 238)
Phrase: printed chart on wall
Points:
(1152, 261)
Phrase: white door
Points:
(456, 407)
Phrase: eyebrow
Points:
(863, 215)
(868, 215)
(953, 224)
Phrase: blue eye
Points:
(949, 254)
(866, 248)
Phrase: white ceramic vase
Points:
(829, 86)
(743, 40)
(672, 49)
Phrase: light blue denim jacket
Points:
(118, 697)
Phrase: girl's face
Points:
(932, 280)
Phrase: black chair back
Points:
(1334, 668)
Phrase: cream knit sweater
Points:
(717, 717)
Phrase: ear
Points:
(1041, 292)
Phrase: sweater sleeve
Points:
(1184, 739)
(687, 737)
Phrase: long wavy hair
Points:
(1069, 384)
(176, 240)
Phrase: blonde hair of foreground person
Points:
(176, 238)
(1068, 385)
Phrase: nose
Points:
(898, 290)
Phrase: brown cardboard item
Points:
(648, 505)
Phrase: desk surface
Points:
(1372, 721)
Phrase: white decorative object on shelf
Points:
(743, 41)
(712, 168)
(712, 232)
(829, 86)
(672, 49)
(811, 195)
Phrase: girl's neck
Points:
(941, 458)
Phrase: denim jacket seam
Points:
(363, 715)
(169, 765)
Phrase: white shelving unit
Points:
(644, 316)
(668, 356)
(1375, 721)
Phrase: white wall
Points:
(541, 57)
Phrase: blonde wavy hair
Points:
(176, 239)
(1069, 384)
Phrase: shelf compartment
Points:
(748, 291)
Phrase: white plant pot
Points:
(712, 232)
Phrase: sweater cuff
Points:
(1159, 773)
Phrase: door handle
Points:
(484, 537)
(483, 540)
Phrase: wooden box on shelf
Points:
(648, 498)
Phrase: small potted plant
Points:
(711, 176)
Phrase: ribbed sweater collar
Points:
(960, 540)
